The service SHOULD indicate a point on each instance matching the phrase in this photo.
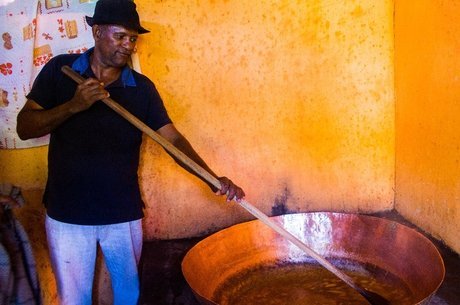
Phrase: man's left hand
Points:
(230, 189)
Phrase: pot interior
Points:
(368, 248)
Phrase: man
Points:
(92, 194)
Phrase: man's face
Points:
(115, 43)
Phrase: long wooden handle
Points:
(215, 182)
(150, 132)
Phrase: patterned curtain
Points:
(33, 31)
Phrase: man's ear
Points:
(97, 31)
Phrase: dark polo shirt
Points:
(94, 155)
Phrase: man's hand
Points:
(87, 93)
(230, 189)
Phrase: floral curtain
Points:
(33, 31)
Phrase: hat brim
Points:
(90, 22)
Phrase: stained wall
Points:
(427, 83)
(295, 101)
(291, 99)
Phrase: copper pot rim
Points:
(403, 229)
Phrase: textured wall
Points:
(24, 167)
(291, 99)
(427, 65)
(294, 100)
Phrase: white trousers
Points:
(73, 250)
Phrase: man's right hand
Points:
(33, 121)
(87, 93)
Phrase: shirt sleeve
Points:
(43, 89)
(157, 115)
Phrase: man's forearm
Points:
(184, 146)
(33, 122)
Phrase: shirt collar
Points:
(81, 65)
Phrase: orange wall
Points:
(293, 100)
(427, 82)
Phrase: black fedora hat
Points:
(120, 12)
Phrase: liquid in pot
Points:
(310, 283)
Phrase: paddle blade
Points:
(374, 298)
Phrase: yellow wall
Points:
(427, 83)
(293, 100)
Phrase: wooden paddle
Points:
(372, 297)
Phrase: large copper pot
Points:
(383, 243)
